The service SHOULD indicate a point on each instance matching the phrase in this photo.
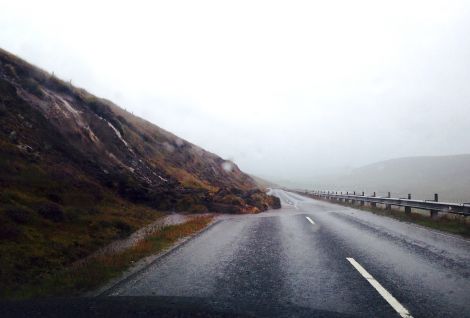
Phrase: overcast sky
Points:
(285, 89)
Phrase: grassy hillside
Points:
(77, 172)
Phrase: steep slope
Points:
(420, 176)
(143, 162)
(77, 172)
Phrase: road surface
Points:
(318, 255)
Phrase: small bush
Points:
(105, 224)
(9, 231)
(131, 189)
(33, 87)
(185, 203)
(146, 138)
(232, 199)
(51, 211)
(61, 85)
(8, 197)
(10, 71)
(18, 214)
(3, 109)
(93, 211)
(198, 208)
(7, 92)
(123, 228)
(74, 214)
(55, 197)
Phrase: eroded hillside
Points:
(77, 171)
(45, 119)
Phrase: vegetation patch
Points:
(71, 184)
(95, 272)
(449, 223)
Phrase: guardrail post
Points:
(407, 208)
(373, 204)
(388, 206)
(466, 210)
(434, 213)
(407, 203)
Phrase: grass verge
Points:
(97, 271)
(455, 225)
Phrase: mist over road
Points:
(317, 255)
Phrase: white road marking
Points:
(310, 220)
(402, 311)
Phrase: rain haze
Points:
(348, 122)
(285, 89)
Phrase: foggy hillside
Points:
(421, 176)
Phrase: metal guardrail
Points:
(434, 206)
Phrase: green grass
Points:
(451, 224)
(34, 250)
(97, 271)
(53, 214)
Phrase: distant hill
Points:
(449, 176)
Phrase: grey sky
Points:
(285, 89)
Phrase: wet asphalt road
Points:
(281, 258)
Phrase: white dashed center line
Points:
(382, 291)
(310, 220)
